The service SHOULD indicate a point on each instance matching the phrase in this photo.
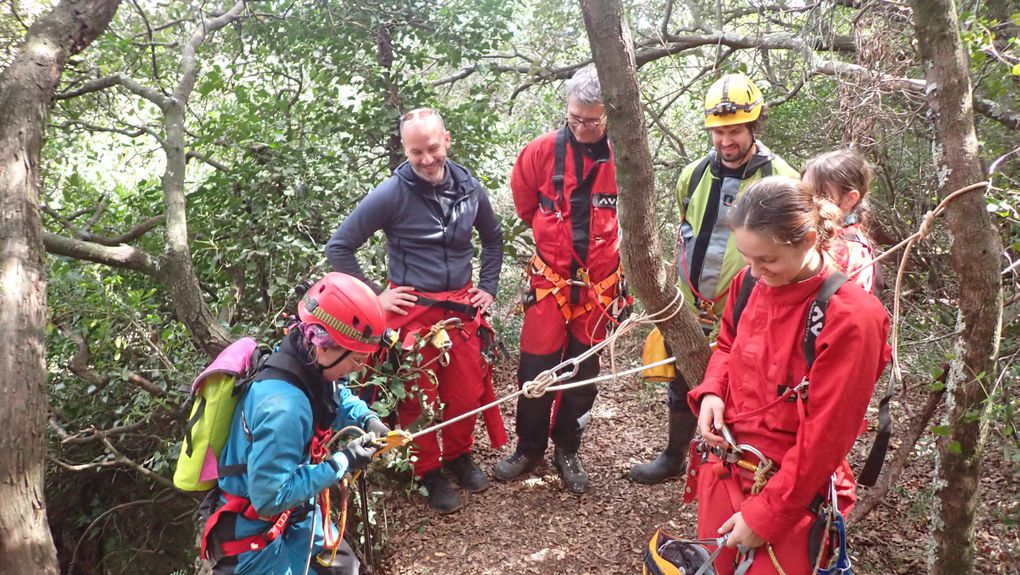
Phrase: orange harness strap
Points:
(559, 291)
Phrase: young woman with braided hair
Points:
(783, 230)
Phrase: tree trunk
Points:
(613, 52)
(384, 48)
(975, 255)
(26, 93)
(177, 271)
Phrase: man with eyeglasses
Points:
(428, 209)
(735, 112)
(564, 188)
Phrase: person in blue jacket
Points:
(262, 515)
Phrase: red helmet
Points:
(348, 309)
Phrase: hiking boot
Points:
(514, 465)
(669, 463)
(575, 478)
(467, 474)
(442, 497)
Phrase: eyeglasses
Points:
(575, 122)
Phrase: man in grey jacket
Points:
(428, 209)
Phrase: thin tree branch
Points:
(206, 160)
(130, 84)
(152, 42)
(125, 460)
(79, 234)
(79, 362)
(145, 384)
(93, 435)
(900, 460)
(122, 256)
(189, 63)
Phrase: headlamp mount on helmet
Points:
(726, 107)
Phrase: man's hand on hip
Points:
(481, 299)
(396, 299)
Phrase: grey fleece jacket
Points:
(428, 231)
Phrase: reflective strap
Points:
(709, 249)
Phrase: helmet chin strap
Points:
(342, 357)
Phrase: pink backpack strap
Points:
(234, 360)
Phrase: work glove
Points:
(357, 453)
(376, 426)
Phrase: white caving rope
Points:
(547, 380)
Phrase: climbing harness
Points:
(827, 539)
(602, 291)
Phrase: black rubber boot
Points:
(442, 497)
(669, 463)
(467, 474)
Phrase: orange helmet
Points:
(348, 310)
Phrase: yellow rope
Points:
(761, 476)
(775, 561)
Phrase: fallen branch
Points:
(902, 457)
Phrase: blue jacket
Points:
(427, 249)
(277, 416)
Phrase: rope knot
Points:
(536, 387)
(926, 225)
(761, 476)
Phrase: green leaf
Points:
(954, 447)
(942, 430)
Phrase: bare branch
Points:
(83, 466)
(79, 234)
(119, 460)
(129, 236)
(652, 50)
(145, 384)
(206, 160)
(667, 15)
(998, 112)
(79, 362)
(469, 70)
(93, 435)
(189, 64)
(152, 43)
(125, 460)
(122, 256)
(130, 84)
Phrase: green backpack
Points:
(214, 396)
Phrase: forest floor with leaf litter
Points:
(532, 525)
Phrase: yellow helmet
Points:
(668, 555)
(732, 99)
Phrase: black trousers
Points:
(534, 415)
